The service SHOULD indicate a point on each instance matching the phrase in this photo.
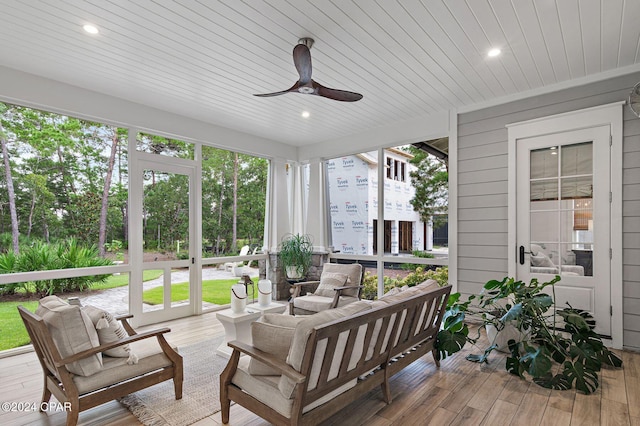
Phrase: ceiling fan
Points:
(634, 99)
(308, 86)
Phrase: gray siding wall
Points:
(482, 187)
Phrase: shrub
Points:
(43, 257)
(370, 282)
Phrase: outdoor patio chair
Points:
(228, 266)
(339, 285)
(77, 372)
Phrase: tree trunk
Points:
(222, 182)
(125, 222)
(45, 227)
(12, 195)
(234, 237)
(105, 195)
(33, 207)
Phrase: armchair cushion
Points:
(72, 331)
(541, 260)
(354, 271)
(117, 369)
(329, 281)
(313, 303)
(272, 338)
(110, 330)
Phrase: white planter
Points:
(292, 273)
(501, 339)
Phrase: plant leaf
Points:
(449, 343)
(513, 313)
(537, 360)
(609, 358)
(515, 367)
(558, 382)
(484, 356)
(586, 380)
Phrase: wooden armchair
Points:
(339, 285)
(115, 378)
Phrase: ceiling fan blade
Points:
(293, 88)
(302, 61)
(335, 94)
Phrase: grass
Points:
(11, 327)
(213, 291)
(123, 279)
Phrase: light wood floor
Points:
(459, 393)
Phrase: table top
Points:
(229, 315)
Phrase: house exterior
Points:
(353, 204)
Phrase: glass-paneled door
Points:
(166, 258)
(563, 217)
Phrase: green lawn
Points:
(213, 291)
(123, 279)
(11, 327)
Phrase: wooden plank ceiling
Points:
(409, 58)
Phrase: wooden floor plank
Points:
(531, 409)
(614, 413)
(555, 417)
(459, 392)
(586, 410)
(501, 413)
(469, 416)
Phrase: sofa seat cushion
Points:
(329, 281)
(115, 369)
(299, 343)
(315, 303)
(265, 389)
(72, 331)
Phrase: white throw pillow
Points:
(329, 281)
(72, 331)
(110, 330)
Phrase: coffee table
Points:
(237, 326)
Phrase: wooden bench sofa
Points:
(332, 358)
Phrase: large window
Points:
(412, 200)
(64, 186)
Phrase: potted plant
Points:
(296, 252)
(545, 335)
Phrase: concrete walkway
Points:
(116, 300)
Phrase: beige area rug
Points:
(157, 405)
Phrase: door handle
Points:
(522, 253)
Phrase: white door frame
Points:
(138, 162)
(604, 115)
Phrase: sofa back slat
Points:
(383, 332)
(348, 352)
(430, 330)
(416, 319)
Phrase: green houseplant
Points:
(546, 335)
(296, 251)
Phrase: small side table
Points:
(236, 327)
(272, 308)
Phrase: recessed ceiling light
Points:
(493, 52)
(305, 114)
(91, 29)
